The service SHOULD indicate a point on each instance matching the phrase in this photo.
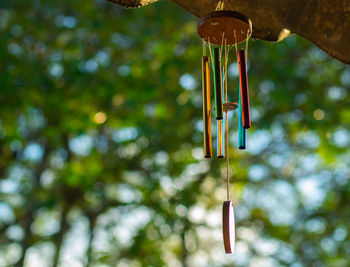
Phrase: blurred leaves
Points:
(101, 160)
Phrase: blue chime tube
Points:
(244, 89)
(220, 138)
(217, 83)
(206, 107)
(242, 132)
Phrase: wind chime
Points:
(222, 30)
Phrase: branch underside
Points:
(325, 23)
(132, 3)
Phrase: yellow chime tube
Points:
(220, 132)
(206, 107)
(220, 148)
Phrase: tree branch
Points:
(31, 207)
(92, 223)
(324, 23)
(132, 3)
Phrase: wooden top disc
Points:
(219, 27)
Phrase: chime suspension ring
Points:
(229, 106)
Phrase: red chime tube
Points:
(206, 107)
(244, 89)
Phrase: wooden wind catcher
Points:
(222, 30)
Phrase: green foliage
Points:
(101, 144)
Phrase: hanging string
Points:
(249, 32)
(226, 59)
(246, 44)
(226, 128)
(235, 45)
(211, 55)
(234, 32)
(227, 53)
(220, 5)
(225, 69)
(221, 46)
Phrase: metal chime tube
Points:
(220, 138)
(217, 84)
(242, 132)
(206, 106)
(244, 89)
(221, 123)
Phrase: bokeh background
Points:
(101, 160)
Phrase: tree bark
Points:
(184, 251)
(325, 23)
(28, 218)
(92, 223)
(60, 236)
(132, 3)
(25, 244)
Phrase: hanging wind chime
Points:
(222, 30)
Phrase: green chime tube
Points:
(206, 107)
(217, 84)
(242, 132)
(220, 139)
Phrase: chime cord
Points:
(226, 109)
(226, 129)
(226, 114)
(220, 5)
(211, 55)
(246, 44)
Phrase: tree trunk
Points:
(184, 252)
(60, 236)
(32, 206)
(92, 223)
(25, 244)
(325, 23)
